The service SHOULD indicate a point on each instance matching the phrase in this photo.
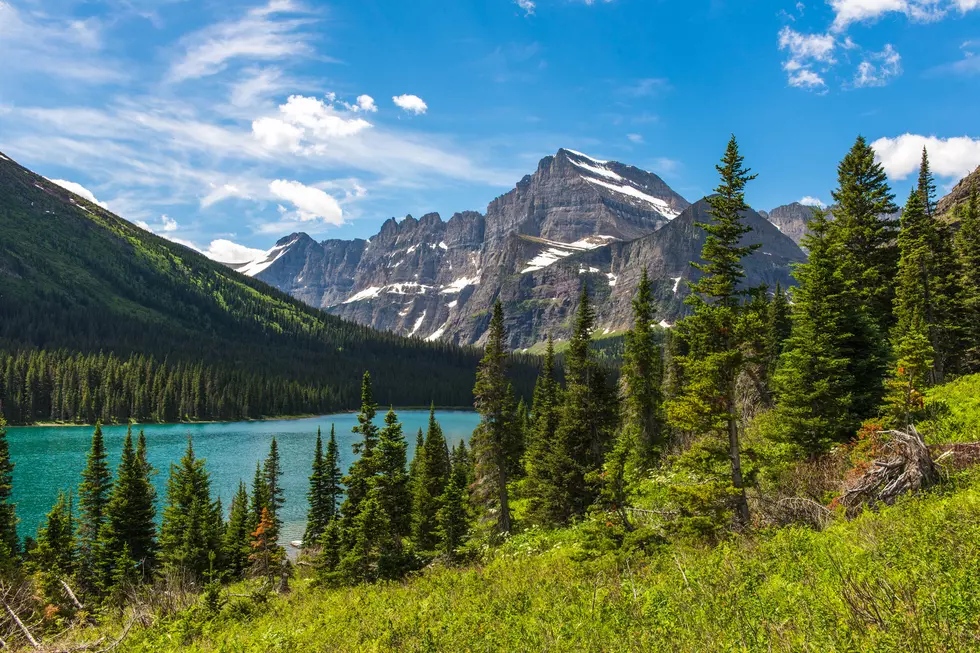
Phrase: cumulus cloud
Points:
(948, 157)
(847, 12)
(365, 103)
(410, 103)
(813, 201)
(311, 204)
(169, 224)
(878, 68)
(226, 251)
(806, 52)
(79, 190)
(305, 118)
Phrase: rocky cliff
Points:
(791, 219)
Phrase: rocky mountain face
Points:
(791, 219)
(575, 221)
(960, 193)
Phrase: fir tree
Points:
(815, 382)
(191, 532)
(392, 481)
(318, 515)
(453, 515)
(417, 456)
(9, 542)
(641, 435)
(237, 538)
(267, 555)
(433, 474)
(968, 256)
(260, 497)
(912, 344)
(927, 186)
(493, 437)
(867, 233)
(276, 498)
(360, 476)
(778, 328)
(372, 554)
(333, 478)
(130, 513)
(546, 409)
(55, 550)
(715, 360)
(93, 497)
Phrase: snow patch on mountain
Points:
(418, 324)
(367, 293)
(264, 261)
(677, 284)
(661, 206)
(458, 284)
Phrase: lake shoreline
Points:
(283, 418)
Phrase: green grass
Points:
(954, 412)
(906, 578)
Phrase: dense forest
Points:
(86, 297)
(737, 452)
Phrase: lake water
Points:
(48, 459)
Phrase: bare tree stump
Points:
(906, 466)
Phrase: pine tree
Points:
(927, 186)
(492, 438)
(453, 513)
(867, 233)
(968, 256)
(433, 474)
(318, 515)
(819, 400)
(546, 410)
(360, 476)
(53, 558)
(260, 497)
(267, 555)
(715, 360)
(272, 475)
(641, 435)
(130, 512)
(392, 481)
(93, 497)
(191, 532)
(237, 539)
(778, 328)
(9, 542)
(417, 456)
(333, 478)
(372, 554)
(912, 344)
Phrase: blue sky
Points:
(227, 125)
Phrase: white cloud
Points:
(806, 51)
(79, 190)
(365, 103)
(169, 224)
(220, 193)
(311, 203)
(847, 12)
(948, 157)
(812, 201)
(527, 5)
(411, 103)
(276, 134)
(263, 34)
(225, 251)
(635, 138)
(878, 68)
(319, 118)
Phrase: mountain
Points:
(436, 280)
(960, 193)
(791, 219)
(76, 278)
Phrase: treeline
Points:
(44, 386)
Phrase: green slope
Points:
(74, 276)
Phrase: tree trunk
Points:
(503, 519)
(734, 453)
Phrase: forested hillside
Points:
(181, 336)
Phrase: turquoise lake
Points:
(48, 459)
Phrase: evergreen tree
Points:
(778, 328)
(392, 481)
(864, 227)
(237, 539)
(267, 555)
(968, 255)
(816, 382)
(927, 186)
(260, 497)
(912, 344)
(333, 478)
(546, 409)
(715, 359)
(191, 532)
(641, 435)
(372, 554)
(453, 514)
(9, 542)
(493, 437)
(130, 513)
(417, 456)
(272, 475)
(55, 550)
(360, 476)
(433, 474)
(318, 514)
(93, 497)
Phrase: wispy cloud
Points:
(878, 68)
(272, 32)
